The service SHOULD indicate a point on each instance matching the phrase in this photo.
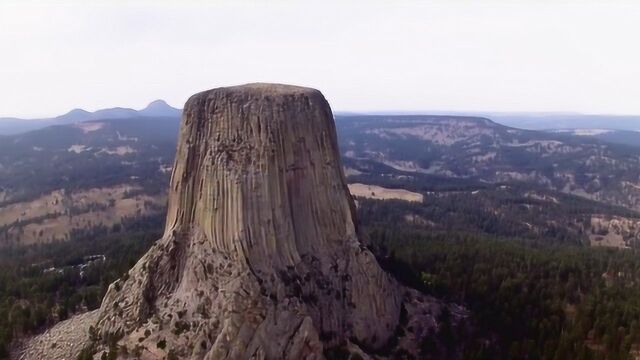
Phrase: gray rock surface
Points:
(62, 342)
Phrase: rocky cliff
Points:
(260, 257)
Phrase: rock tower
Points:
(260, 258)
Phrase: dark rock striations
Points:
(261, 257)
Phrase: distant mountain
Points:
(160, 108)
(157, 108)
(11, 126)
(625, 137)
(75, 115)
(545, 121)
(527, 120)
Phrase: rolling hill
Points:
(477, 149)
(157, 108)
(64, 180)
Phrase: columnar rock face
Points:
(260, 257)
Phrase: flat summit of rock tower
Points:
(261, 257)
(267, 88)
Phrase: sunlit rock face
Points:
(260, 257)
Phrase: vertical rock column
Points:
(260, 256)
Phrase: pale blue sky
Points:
(372, 55)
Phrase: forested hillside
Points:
(66, 179)
(481, 150)
(41, 285)
(531, 298)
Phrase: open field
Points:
(54, 216)
(381, 193)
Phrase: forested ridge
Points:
(462, 149)
(528, 300)
(41, 285)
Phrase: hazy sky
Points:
(453, 55)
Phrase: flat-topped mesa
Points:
(258, 172)
(260, 257)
